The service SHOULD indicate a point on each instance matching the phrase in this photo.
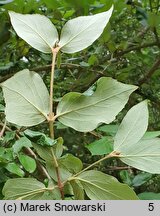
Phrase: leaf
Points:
(68, 191)
(46, 152)
(72, 163)
(141, 178)
(1, 108)
(132, 128)
(58, 147)
(27, 99)
(15, 169)
(5, 2)
(77, 190)
(109, 129)
(79, 33)
(126, 177)
(143, 155)
(85, 113)
(7, 154)
(39, 138)
(151, 134)
(28, 163)
(68, 165)
(100, 147)
(99, 186)
(22, 188)
(19, 144)
(37, 30)
(149, 196)
(64, 172)
(9, 135)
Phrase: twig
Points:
(111, 155)
(3, 129)
(95, 134)
(118, 168)
(69, 65)
(51, 121)
(150, 72)
(135, 48)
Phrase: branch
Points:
(150, 72)
(70, 65)
(136, 48)
(3, 129)
(40, 69)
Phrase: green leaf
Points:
(68, 191)
(141, 178)
(1, 108)
(27, 99)
(15, 169)
(9, 135)
(37, 30)
(68, 165)
(39, 138)
(77, 190)
(58, 147)
(100, 147)
(19, 144)
(151, 134)
(109, 129)
(99, 186)
(7, 154)
(132, 128)
(85, 113)
(126, 177)
(28, 163)
(22, 188)
(79, 33)
(149, 196)
(46, 152)
(64, 172)
(72, 163)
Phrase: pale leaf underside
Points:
(85, 113)
(143, 155)
(37, 30)
(79, 33)
(99, 186)
(27, 99)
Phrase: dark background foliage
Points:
(128, 50)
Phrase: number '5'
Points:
(151, 206)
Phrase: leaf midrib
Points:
(41, 112)
(93, 104)
(35, 32)
(71, 39)
(143, 155)
(88, 182)
(128, 133)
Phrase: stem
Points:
(3, 129)
(52, 119)
(60, 184)
(51, 114)
(112, 154)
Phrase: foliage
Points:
(117, 68)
